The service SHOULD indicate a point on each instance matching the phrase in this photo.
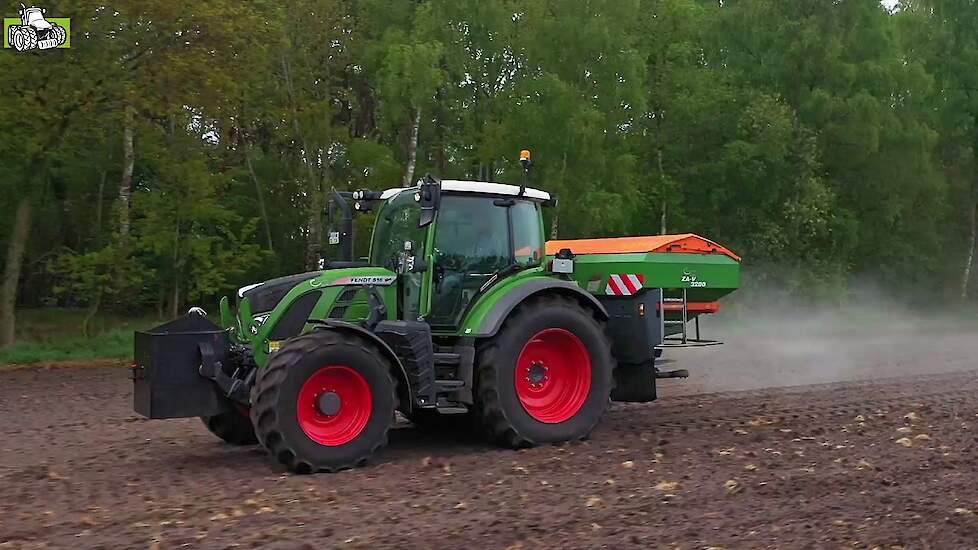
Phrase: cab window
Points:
(475, 238)
(397, 222)
(527, 233)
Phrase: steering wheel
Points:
(451, 262)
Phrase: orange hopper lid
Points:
(684, 243)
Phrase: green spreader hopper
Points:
(682, 275)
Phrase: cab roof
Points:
(484, 187)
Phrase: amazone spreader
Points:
(461, 312)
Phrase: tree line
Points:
(179, 149)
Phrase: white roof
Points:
(463, 186)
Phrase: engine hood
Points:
(266, 295)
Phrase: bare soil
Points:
(877, 450)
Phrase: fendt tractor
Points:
(460, 312)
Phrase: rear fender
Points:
(488, 315)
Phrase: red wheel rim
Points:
(553, 375)
(348, 399)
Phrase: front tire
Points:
(546, 377)
(324, 402)
(233, 427)
(25, 39)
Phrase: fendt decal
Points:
(379, 280)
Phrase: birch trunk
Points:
(261, 200)
(175, 302)
(972, 237)
(11, 274)
(662, 186)
(314, 222)
(98, 208)
(555, 222)
(128, 160)
(412, 152)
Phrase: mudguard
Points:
(403, 384)
(490, 323)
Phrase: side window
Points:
(398, 222)
(527, 234)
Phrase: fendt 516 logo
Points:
(33, 31)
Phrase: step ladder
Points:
(684, 340)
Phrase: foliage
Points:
(824, 141)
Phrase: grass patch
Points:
(108, 345)
(51, 335)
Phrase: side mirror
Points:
(428, 197)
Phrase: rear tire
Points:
(546, 377)
(342, 372)
(60, 34)
(233, 427)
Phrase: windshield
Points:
(397, 222)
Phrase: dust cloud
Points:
(789, 344)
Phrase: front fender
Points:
(403, 383)
(492, 309)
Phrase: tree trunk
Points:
(261, 200)
(662, 186)
(11, 274)
(175, 302)
(554, 223)
(315, 223)
(972, 237)
(412, 151)
(98, 208)
(90, 315)
(128, 160)
(315, 220)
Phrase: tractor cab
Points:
(478, 233)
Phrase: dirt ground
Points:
(869, 443)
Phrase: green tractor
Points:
(461, 311)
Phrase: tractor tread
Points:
(233, 427)
(265, 393)
(493, 419)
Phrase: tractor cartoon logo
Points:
(32, 31)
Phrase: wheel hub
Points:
(553, 375)
(334, 405)
(329, 403)
(537, 374)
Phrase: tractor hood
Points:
(261, 302)
(265, 295)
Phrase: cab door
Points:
(399, 244)
(476, 238)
